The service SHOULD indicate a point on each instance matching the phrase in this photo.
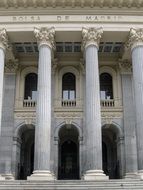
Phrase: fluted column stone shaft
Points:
(3, 46)
(43, 114)
(93, 114)
(45, 38)
(135, 42)
(91, 38)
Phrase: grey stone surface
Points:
(43, 114)
(137, 61)
(129, 125)
(93, 111)
(7, 124)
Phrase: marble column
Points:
(45, 38)
(129, 120)
(135, 42)
(3, 47)
(91, 39)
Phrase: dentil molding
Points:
(70, 3)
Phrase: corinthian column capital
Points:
(91, 36)
(45, 36)
(135, 38)
(3, 39)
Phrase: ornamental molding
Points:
(125, 67)
(70, 3)
(91, 36)
(45, 36)
(54, 66)
(69, 115)
(26, 115)
(135, 38)
(111, 115)
(82, 66)
(11, 66)
(3, 39)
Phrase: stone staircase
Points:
(72, 185)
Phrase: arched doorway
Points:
(110, 158)
(68, 163)
(26, 165)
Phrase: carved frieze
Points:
(91, 36)
(125, 66)
(45, 36)
(11, 66)
(72, 3)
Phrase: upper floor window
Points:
(106, 87)
(30, 86)
(68, 86)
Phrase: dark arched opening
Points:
(109, 153)
(30, 86)
(68, 153)
(26, 165)
(106, 86)
(68, 86)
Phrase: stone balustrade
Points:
(107, 103)
(29, 103)
(68, 103)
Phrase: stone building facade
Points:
(71, 87)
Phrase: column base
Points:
(8, 177)
(132, 175)
(2, 178)
(95, 175)
(41, 175)
(140, 174)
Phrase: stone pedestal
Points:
(42, 171)
(94, 171)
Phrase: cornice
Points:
(6, 4)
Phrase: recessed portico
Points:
(72, 69)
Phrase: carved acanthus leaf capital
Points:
(125, 66)
(91, 36)
(135, 38)
(3, 39)
(45, 36)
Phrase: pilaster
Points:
(129, 119)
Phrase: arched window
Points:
(68, 86)
(30, 86)
(106, 87)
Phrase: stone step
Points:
(71, 185)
